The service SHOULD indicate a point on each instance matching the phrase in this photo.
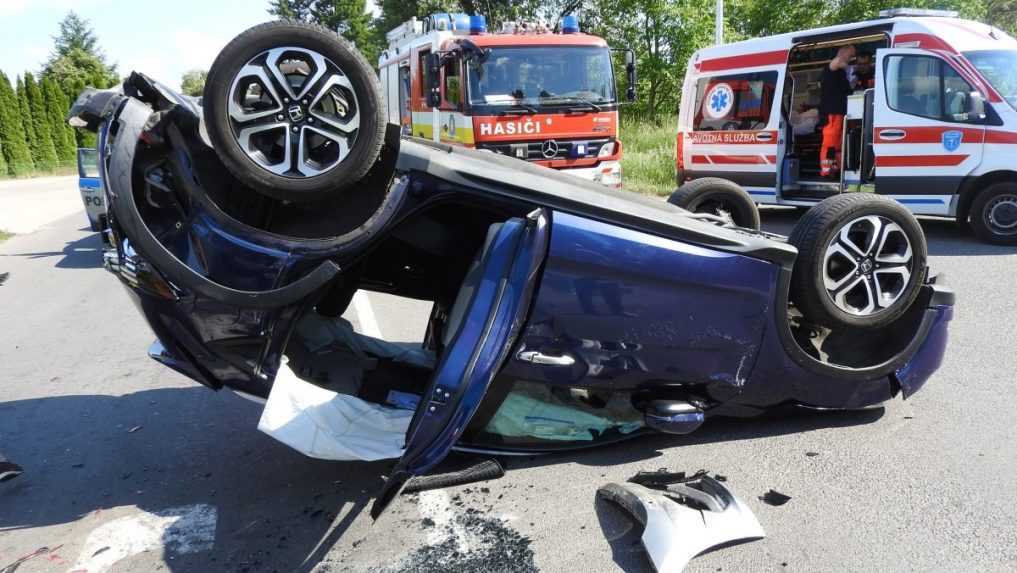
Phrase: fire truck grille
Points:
(548, 149)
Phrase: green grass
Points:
(4, 235)
(62, 169)
(648, 155)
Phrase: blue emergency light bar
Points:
(570, 24)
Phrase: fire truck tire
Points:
(718, 196)
(994, 214)
(861, 262)
(294, 111)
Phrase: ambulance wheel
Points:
(294, 111)
(861, 262)
(719, 197)
(994, 214)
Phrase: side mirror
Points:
(433, 90)
(630, 75)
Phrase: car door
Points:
(90, 187)
(498, 301)
(928, 128)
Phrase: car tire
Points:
(861, 262)
(718, 196)
(994, 214)
(294, 111)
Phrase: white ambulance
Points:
(932, 123)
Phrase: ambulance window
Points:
(928, 87)
(453, 87)
(735, 102)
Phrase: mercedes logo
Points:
(549, 149)
(296, 113)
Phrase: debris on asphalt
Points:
(682, 516)
(661, 478)
(774, 498)
(134, 429)
(13, 566)
(811, 454)
(490, 546)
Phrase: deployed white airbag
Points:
(323, 424)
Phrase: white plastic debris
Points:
(323, 424)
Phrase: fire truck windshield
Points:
(1000, 68)
(542, 76)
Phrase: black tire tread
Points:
(686, 195)
(372, 137)
(806, 237)
(978, 226)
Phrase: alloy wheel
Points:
(867, 265)
(293, 112)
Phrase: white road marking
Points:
(365, 315)
(434, 504)
(178, 530)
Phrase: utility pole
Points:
(719, 24)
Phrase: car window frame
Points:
(943, 116)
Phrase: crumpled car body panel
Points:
(628, 294)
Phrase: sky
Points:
(162, 38)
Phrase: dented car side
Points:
(565, 315)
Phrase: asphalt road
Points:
(129, 463)
(28, 204)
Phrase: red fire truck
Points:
(525, 91)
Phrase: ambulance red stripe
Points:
(934, 134)
(775, 58)
(919, 160)
(721, 159)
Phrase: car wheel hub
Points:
(867, 265)
(293, 112)
(1002, 214)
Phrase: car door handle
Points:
(534, 357)
(764, 136)
(892, 134)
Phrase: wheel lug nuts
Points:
(280, 117)
(310, 120)
(304, 102)
(295, 129)
(286, 100)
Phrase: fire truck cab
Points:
(932, 121)
(524, 92)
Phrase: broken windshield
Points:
(1000, 68)
(542, 75)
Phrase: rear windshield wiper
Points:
(519, 109)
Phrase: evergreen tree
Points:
(76, 62)
(57, 107)
(41, 144)
(13, 141)
(347, 17)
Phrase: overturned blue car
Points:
(565, 314)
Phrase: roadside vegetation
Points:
(34, 138)
(648, 154)
(4, 235)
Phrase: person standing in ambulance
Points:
(836, 87)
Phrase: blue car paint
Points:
(633, 308)
(913, 375)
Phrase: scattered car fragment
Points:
(565, 314)
(684, 517)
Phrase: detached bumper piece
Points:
(684, 517)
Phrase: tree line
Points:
(663, 33)
(34, 136)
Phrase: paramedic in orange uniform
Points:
(832, 108)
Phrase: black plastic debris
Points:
(774, 498)
(660, 479)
